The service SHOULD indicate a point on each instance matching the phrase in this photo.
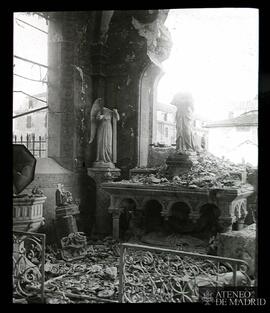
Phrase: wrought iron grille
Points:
(155, 275)
(28, 265)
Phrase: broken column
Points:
(239, 244)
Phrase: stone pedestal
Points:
(65, 220)
(28, 213)
(101, 175)
(179, 163)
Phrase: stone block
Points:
(239, 245)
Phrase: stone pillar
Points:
(102, 217)
(227, 217)
(116, 216)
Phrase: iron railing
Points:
(28, 265)
(37, 146)
(155, 275)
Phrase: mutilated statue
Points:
(185, 138)
(103, 128)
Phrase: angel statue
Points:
(103, 126)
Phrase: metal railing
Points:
(37, 146)
(155, 275)
(28, 265)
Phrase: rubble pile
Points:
(94, 275)
(208, 171)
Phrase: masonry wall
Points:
(94, 54)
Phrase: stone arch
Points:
(172, 205)
(127, 206)
(147, 98)
(178, 220)
(207, 224)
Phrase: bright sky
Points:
(31, 44)
(214, 56)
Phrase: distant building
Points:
(235, 138)
(33, 123)
(166, 129)
(166, 126)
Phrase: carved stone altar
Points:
(230, 202)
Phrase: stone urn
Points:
(28, 213)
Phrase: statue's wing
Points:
(96, 107)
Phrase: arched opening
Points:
(129, 211)
(178, 221)
(207, 225)
(213, 49)
(146, 109)
(153, 221)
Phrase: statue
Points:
(103, 126)
(62, 197)
(185, 140)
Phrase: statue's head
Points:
(182, 99)
(101, 102)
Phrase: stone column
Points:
(227, 217)
(101, 175)
(240, 211)
(116, 216)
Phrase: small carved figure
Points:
(102, 128)
(73, 246)
(62, 197)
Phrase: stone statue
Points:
(185, 141)
(103, 127)
(62, 197)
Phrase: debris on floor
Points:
(88, 279)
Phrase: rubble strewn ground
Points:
(208, 171)
(96, 274)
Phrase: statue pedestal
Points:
(101, 175)
(179, 163)
(66, 220)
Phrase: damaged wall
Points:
(136, 39)
(97, 54)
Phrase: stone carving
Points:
(103, 127)
(73, 246)
(185, 139)
(62, 197)
(158, 37)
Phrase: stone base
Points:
(240, 245)
(103, 165)
(70, 209)
(28, 213)
(142, 171)
(179, 163)
(100, 175)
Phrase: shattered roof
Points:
(246, 119)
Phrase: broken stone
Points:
(240, 245)
(111, 272)
(107, 293)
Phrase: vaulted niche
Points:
(213, 50)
